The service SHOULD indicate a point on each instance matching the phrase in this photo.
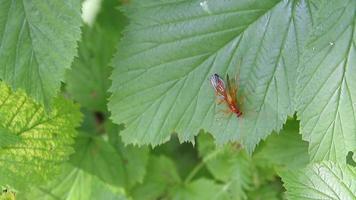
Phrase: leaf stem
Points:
(199, 166)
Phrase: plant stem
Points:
(194, 172)
(199, 166)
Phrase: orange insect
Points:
(226, 94)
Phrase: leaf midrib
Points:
(33, 54)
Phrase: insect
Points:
(226, 93)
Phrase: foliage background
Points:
(144, 123)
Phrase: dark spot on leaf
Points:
(350, 160)
(99, 117)
(125, 161)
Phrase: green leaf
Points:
(122, 168)
(326, 180)
(171, 48)
(326, 83)
(37, 42)
(161, 178)
(201, 189)
(228, 164)
(163, 182)
(110, 17)
(184, 155)
(97, 157)
(74, 184)
(7, 138)
(88, 80)
(42, 139)
(286, 148)
(8, 195)
(265, 192)
(135, 158)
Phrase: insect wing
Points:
(218, 84)
(232, 88)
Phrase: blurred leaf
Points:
(184, 155)
(7, 193)
(263, 173)
(75, 184)
(135, 158)
(38, 42)
(160, 80)
(161, 178)
(110, 17)
(265, 192)
(201, 189)
(40, 141)
(88, 80)
(326, 84)
(229, 164)
(326, 180)
(97, 157)
(8, 196)
(286, 148)
(93, 122)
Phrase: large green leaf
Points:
(75, 184)
(88, 79)
(40, 140)
(285, 149)
(326, 83)
(121, 168)
(37, 42)
(326, 180)
(170, 49)
(326, 92)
